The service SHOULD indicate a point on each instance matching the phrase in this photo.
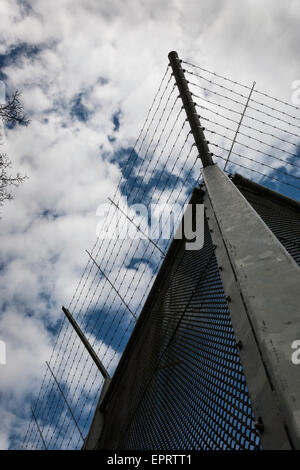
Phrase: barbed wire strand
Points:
(244, 86)
(133, 149)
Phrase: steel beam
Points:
(86, 343)
(268, 281)
(264, 405)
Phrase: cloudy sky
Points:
(88, 70)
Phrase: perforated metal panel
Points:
(184, 386)
(197, 397)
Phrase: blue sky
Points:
(88, 71)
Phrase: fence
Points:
(182, 384)
(163, 168)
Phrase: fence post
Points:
(265, 285)
(190, 109)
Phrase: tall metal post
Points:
(262, 281)
(190, 109)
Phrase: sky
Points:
(88, 71)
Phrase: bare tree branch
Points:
(6, 179)
(12, 111)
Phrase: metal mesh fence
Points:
(184, 386)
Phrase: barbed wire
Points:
(244, 86)
(54, 400)
(125, 332)
(260, 142)
(251, 169)
(247, 116)
(88, 307)
(207, 90)
(241, 95)
(110, 308)
(39, 401)
(252, 148)
(131, 154)
(251, 159)
(259, 131)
